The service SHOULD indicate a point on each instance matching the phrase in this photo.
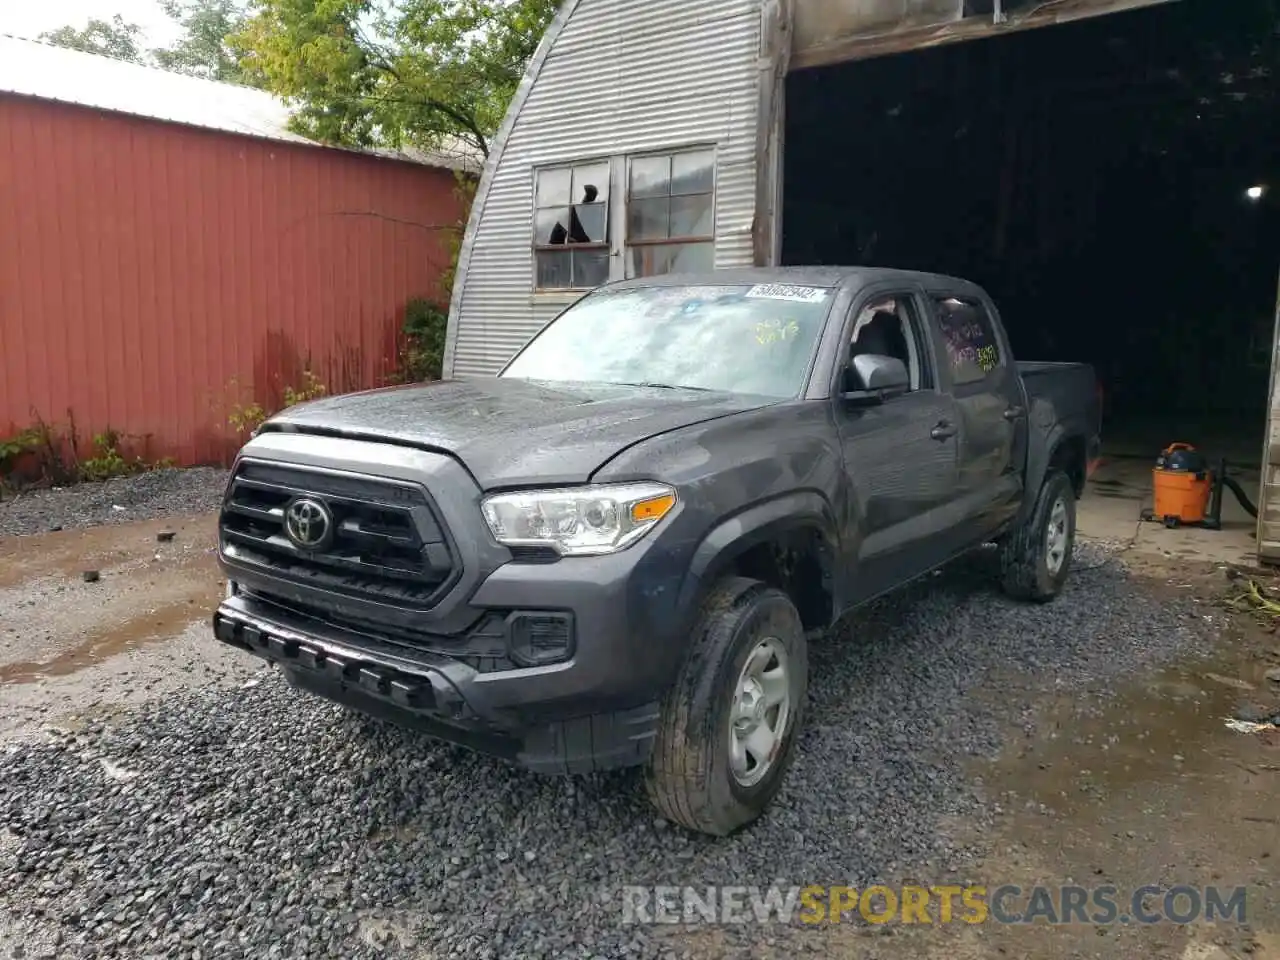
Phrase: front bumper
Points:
(437, 694)
(442, 666)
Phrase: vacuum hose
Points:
(1214, 518)
(1240, 495)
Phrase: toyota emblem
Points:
(308, 523)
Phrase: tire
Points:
(690, 778)
(1027, 566)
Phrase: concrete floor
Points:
(1121, 487)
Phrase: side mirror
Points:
(879, 377)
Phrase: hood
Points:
(511, 432)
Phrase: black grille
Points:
(387, 544)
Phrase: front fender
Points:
(759, 523)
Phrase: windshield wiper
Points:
(668, 386)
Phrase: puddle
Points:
(66, 553)
(1171, 727)
(156, 626)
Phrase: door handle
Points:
(1015, 413)
(943, 431)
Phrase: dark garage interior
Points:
(1114, 183)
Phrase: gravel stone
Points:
(264, 822)
(146, 496)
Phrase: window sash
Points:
(684, 182)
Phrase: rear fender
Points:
(1040, 453)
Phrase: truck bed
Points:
(1071, 389)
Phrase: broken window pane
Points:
(571, 211)
(551, 226)
(592, 223)
(591, 183)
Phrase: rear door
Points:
(980, 374)
(900, 456)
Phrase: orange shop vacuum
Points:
(1189, 494)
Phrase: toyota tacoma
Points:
(611, 553)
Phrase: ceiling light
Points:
(1255, 193)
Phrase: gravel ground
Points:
(147, 496)
(260, 822)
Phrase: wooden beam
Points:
(903, 39)
(774, 63)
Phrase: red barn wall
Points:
(154, 276)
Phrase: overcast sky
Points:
(29, 18)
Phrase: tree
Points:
(203, 50)
(113, 38)
(394, 73)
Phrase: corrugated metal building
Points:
(673, 112)
(652, 135)
(169, 250)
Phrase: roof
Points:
(811, 276)
(35, 69)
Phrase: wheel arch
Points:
(1062, 448)
(801, 523)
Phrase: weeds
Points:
(41, 455)
(246, 418)
(1258, 600)
(422, 357)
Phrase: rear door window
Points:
(969, 337)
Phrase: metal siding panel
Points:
(1268, 531)
(32, 68)
(622, 76)
(160, 263)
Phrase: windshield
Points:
(739, 339)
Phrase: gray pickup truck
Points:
(611, 553)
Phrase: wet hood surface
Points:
(510, 432)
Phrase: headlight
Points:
(578, 521)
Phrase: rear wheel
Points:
(1035, 558)
(729, 724)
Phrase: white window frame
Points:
(617, 211)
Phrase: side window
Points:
(671, 213)
(889, 326)
(571, 226)
(970, 338)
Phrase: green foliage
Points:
(113, 38)
(11, 448)
(204, 50)
(396, 73)
(245, 418)
(108, 461)
(36, 454)
(40, 454)
(422, 358)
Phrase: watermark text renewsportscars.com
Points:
(941, 904)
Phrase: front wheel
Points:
(1035, 558)
(729, 724)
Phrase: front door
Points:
(900, 456)
(982, 377)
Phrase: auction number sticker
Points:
(785, 291)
